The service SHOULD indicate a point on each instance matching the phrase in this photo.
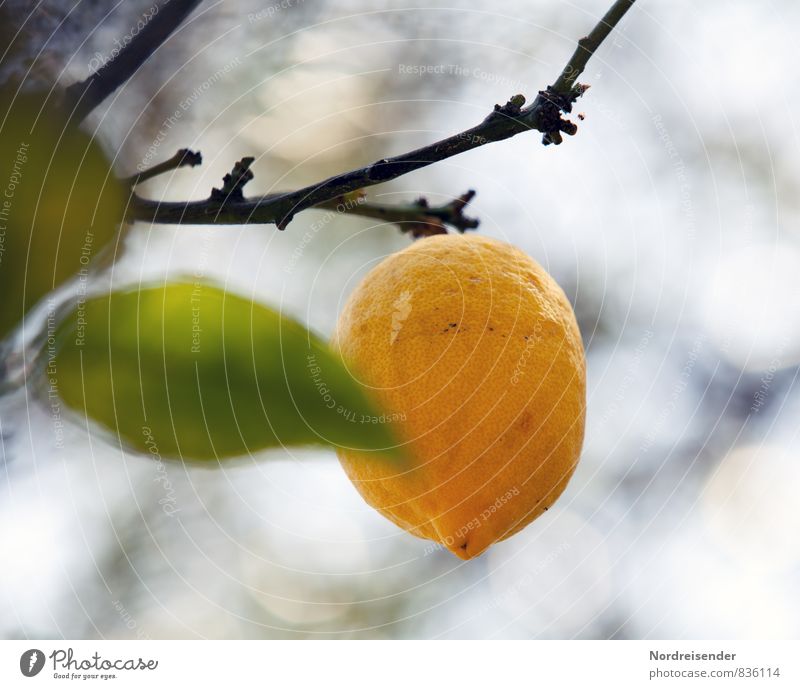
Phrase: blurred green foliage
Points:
(59, 202)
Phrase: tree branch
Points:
(589, 44)
(418, 218)
(503, 123)
(544, 115)
(84, 96)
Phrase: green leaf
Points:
(187, 370)
(59, 202)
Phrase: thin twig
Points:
(544, 115)
(589, 44)
(184, 157)
(84, 96)
(503, 123)
(419, 218)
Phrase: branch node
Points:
(512, 109)
(435, 220)
(554, 138)
(569, 128)
(553, 104)
(234, 181)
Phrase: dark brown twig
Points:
(419, 218)
(183, 158)
(84, 96)
(589, 44)
(504, 122)
(544, 115)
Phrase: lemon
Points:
(474, 352)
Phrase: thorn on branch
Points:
(234, 181)
(283, 223)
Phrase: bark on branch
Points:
(84, 96)
(545, 114)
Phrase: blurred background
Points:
(671, 221)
